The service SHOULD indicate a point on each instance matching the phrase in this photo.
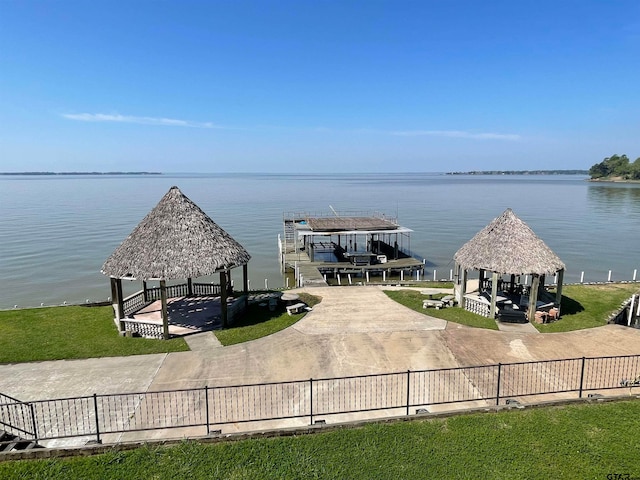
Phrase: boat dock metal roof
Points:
(340, 224)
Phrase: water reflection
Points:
(615, 198)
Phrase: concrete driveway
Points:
(353, 331)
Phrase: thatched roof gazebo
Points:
(176, 240)
(507, 246)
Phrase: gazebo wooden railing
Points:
(144, 329)
(477, 305)
(156, 330)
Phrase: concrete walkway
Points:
(353, 331)
(202, 342)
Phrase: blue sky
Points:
(317, 86)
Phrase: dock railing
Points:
(310, 401)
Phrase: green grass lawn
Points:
(587, 306)
(583, 306)
(413, 300)
(572, 441)
(260, 322)
(55, 333)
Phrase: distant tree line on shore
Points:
(617, 166)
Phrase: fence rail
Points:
(17, 417)
(91, 417)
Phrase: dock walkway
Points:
(312, 273)
(309, 272)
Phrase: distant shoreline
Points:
(521, 172)
(613, 180)
(80, 173)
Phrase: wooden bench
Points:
(296, 308)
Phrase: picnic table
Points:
(430, 291)
(289, 297)
(446, 301)
(430, 302)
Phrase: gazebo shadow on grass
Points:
(570, 306)
(256, 314)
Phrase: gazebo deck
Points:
(187, 315)
(479, 301)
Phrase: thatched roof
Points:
(176, 240)
(507, 245)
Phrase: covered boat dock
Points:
(344, 246)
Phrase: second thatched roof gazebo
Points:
(507, 246)
(176, 240)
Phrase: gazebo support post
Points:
(189, 287)
(494, 294)
(533, 297)
(223, 297)
(117, 301)
(559, 289)
(145, 295)
(245, 284)
(480, 280)
(165, 310)
(463, 288)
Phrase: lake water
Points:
(56, 231)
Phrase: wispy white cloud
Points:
(168, 122)
(457, 134)
(173, 122)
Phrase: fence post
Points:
(95, 408)
(498, 387)
(206, 406)
(33, 422)
(581, 377)
(408, 389)
(311, 401)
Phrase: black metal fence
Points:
(309, 401)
